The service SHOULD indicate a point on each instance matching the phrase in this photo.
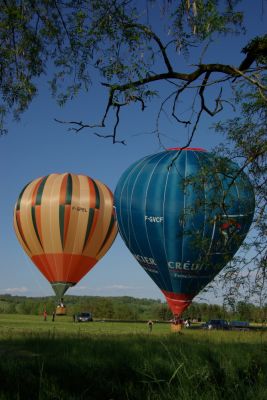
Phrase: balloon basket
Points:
(61, 311)
(176, 327)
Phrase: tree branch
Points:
(202, 68)
(174, 105)
(218, 106)
(63, 22)
(80, 125)
(152, 34)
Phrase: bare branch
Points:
(80, 125)
(152, 34)
(62, 20)
(161, 109)
(174, 105)
(111, 136)
(189, 139)
(116, 126)
(218, 106)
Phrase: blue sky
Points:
(37, 146)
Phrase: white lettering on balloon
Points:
(186, 266)
(145, 260)
(153, 219)
(148, 263)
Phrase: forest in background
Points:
(130, 308)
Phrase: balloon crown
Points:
(187, 148)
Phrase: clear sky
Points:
(37, 146)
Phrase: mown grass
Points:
(63, 360)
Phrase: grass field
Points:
(100, 360)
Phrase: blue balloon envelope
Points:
(183, 214)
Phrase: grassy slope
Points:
(63, 360)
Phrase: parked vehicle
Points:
(216, 324)
(240, 325)
(84, 317)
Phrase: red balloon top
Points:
(187, 148)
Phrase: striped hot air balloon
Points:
(66, 224)
(183, 213)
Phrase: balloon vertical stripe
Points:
(19, 232)
(92, 196)
(97, 196)
(91, 214)
(93, 223)
(151, 188)
(63, 191)
(108, 234)
(35, 225)
(34, 193)
(19, 198)
(40, 191)
(68, 190)
(62, 223)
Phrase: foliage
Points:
(246, 143)
(119, 40)
(131, 309)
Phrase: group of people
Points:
(53, 315)
(60, 305)
(176, 322)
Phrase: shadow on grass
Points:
(134, 367)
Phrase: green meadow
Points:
(116, 361)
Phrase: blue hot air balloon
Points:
(183, 214)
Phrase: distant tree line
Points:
(130, 308)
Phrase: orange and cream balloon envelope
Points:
(65, 223)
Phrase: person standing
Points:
(150, 325)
